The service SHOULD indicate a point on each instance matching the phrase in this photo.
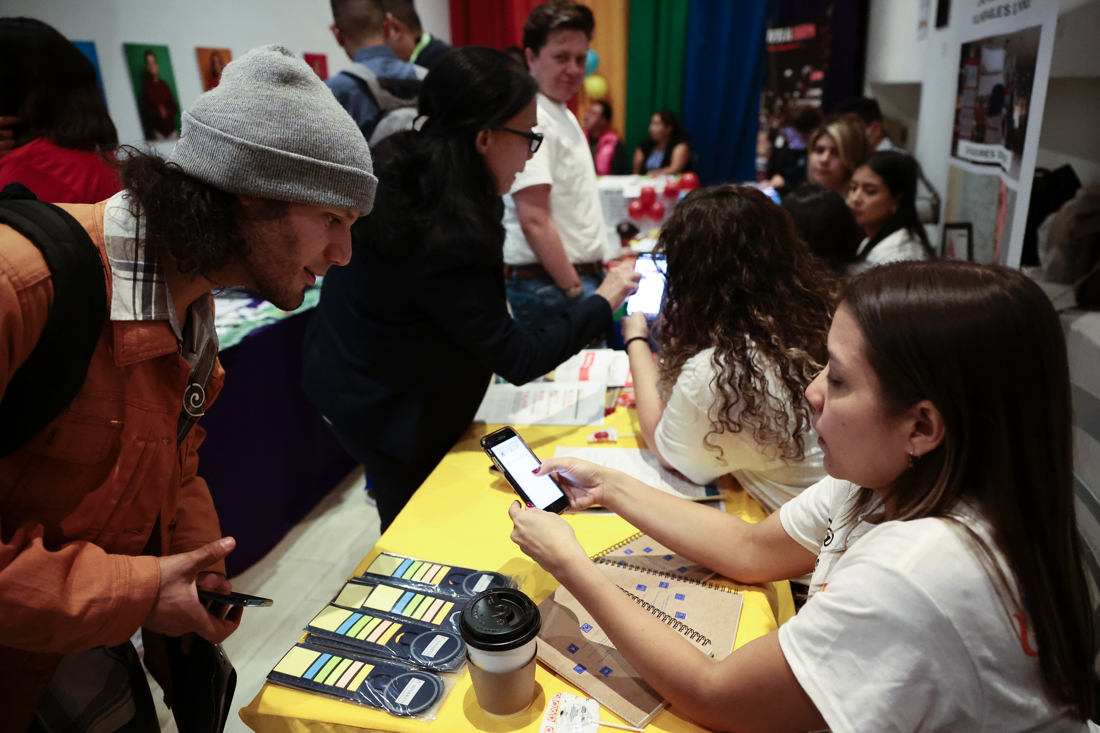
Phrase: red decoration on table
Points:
(636, 210)
(656, 210)
(689, 181)
(672, 190)
(648, 196)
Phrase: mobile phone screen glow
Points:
(519, 461)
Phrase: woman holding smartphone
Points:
(948, 589)
(402, 346)
(742, 333)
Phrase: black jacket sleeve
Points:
(468, 303)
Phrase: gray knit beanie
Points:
(271, 128)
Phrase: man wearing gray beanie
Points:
(108, 527)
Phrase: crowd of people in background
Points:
(812, 350)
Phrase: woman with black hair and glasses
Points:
(407, 337)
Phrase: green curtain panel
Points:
(655, 69)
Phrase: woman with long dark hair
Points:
(667, 150)
(882, 196)
(742, 334)
(64, 138)
(406, 338)
(948, 588)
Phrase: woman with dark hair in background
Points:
(667, 150)
(825, 222)
(742, 333)
(949, 589)
(883, 200)
(63, 133)
(403, 344)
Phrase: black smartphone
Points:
(234, 599)
(512, 456)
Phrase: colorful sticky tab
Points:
(383, 597)
(297, 661)
(331, 618)
(353, 595)
(385, 564)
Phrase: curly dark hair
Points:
(198, 225)
(740, 280)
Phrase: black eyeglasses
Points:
(534, 137)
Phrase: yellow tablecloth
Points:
(460, 516)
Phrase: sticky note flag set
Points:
(389, 638)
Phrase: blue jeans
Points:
(536, 301)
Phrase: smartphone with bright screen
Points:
(651, 290)
(517, 462)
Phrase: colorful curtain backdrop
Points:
(655, 73)
(610, 42)
(723, 79)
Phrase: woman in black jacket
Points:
(406, 338)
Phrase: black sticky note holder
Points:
(395, 688)
(426, 647)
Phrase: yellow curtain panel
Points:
(610, 42)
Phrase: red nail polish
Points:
(536, 470)
(529, 505)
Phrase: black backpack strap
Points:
(53, 374)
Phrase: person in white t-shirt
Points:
(882, 196)
(554, 229)
(949, 591)
(742, 332)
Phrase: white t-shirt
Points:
(901, 245)
(564, 161)
(686, 421)
(906, 631)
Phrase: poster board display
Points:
(1004, 50)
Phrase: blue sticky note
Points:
(640, 587)
(648, 549)
(579, 669)
(679, 596)
(662, 585)
(572, 648)
(606, 671)
(681, 615)
(628, 552)
(586, 628)
(681, 570)
(668, 557)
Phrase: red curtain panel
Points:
(493, 23)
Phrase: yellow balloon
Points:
(595, 87)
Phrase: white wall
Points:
(301, 25)
(903, 72)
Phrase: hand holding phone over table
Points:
(234, 599)
(516, 461)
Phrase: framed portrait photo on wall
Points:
(957, 242)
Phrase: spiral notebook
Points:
(642, 551)
(576, 648)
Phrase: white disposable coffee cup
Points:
(500, 627)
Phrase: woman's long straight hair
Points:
(434, 185)
(985, 346)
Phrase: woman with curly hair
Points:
(741, 334)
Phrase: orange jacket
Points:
(79, 502)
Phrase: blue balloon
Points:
(591, 63)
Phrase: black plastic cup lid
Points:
(499, 620)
